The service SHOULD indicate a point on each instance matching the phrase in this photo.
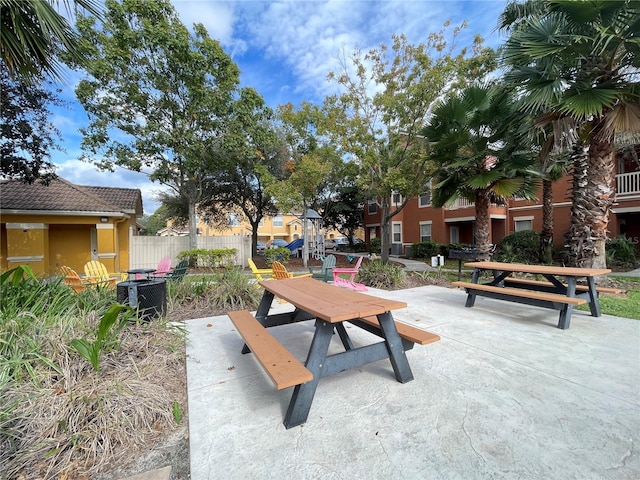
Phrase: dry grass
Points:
(78, 423)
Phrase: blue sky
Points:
(284, 50)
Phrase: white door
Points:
(94, 244)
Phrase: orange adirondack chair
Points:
(280, 272)
(349, 282)
(74, 280)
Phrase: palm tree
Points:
(476, 146)
(576, 59)
(33, 34)
(553, 143)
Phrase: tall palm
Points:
(553, 142)
(478, 155)
(578, 59)
(33, 34)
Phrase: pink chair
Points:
(348, 282)
(164, 267)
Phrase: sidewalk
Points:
(504, 394)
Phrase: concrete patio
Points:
(504, 394)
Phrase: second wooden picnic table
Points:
(559, 291)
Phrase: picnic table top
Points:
(540, 269)
(330, 303)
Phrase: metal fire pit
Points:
(465, 254)
(149, 297)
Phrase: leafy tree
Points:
(157, 97)
(311, 160)
(27, 134)
(154, 222)
(255, 160)
(478, 153)
(578, 60)
(33, 35)
(385, 99)
(343, 211)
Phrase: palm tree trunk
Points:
(546, 236)
(578, 239)
(601, 176)
(483, 224)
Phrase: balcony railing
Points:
(461, 203)
(628, 183)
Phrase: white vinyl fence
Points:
(146, 252)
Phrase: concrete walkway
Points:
(504, 394)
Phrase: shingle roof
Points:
(61, 195)
(128, 199)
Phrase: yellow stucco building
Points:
(66, 224)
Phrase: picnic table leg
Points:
(475, 276)
(594, 300)
(565, 313)
(471, 297)
(302, 397)
(395, 347)
(344, 336)
(262, 312)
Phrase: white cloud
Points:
(84, 173)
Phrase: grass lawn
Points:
(627, 306)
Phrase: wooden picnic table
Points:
(330, 307)
(559, 291)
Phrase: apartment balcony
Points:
(627, 184)
(460, 203)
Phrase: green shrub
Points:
(519, 247)
(425, 249)
(379, 275)
(218, 257)
(280, 254)
(28, 307)
(375, 245)
(621, 252)
(230, 289)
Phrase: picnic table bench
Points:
(330, 307)
(552, 293)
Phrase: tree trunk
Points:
(578, 240)
(385, 230)
(483, 224)
(254, 237)
(193, 227)
(593, 195)
(601, 189)
(546, 236)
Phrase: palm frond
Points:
(624, 117)
(583, 104)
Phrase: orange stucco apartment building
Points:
(421, 222)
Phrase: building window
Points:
(397, 233)
(373, 206)
(396, 198)
(424, 200)
(425, 232)
(277, 221)
(522, 224)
